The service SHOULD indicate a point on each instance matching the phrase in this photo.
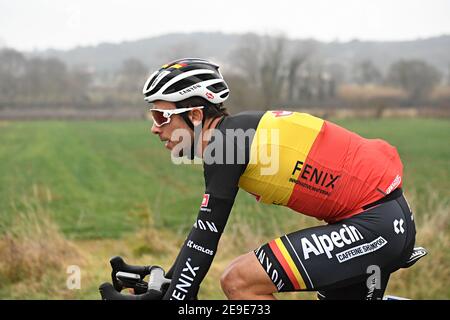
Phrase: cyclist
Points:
(292, 159)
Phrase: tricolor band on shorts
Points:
(283, 266)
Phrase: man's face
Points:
(165, 131)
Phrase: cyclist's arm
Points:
(169, 273)
(197, 253)
(199, 249)
(221, 181)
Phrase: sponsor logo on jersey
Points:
(398, 226)
(205, 200)
(281, 113)
(361, 250)
(191, 244)
(316, 176)
(185, 281)
(394, 184)
(325, 243)
(273, 273)
(205, 225)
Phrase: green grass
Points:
(101, 175)
(102, 178)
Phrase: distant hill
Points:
(152, 51)
(218, 46)
(435, 51)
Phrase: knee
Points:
(232, 280)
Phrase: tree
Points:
(270, 67)
(46, 81)
(299, 56)
(416, 77)
(12, 68)
(365, 72)
(132, 75)
(80, 80)
(273, 70)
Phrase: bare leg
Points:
(245, 279)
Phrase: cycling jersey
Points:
(285, 158)
(325, 171)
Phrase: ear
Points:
(196, 116)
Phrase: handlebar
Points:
(128, 276)
(108, 292)
(119, 265)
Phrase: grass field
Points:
(80, 192)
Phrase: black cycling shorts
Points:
(335, 258)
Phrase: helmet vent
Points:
(216, 88)
(224, 95)
(187, 82)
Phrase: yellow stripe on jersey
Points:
(291, 263)
(281, 139)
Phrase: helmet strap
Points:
(197, 135)
(197, 131)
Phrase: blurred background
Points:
(82, 180)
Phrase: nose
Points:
(155, 129)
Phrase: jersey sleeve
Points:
(200, 247)
(225, 159)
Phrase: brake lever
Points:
(131, 280)
(128, 278)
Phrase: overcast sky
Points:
(63, 24)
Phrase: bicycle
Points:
(125, 276)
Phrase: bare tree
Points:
(416, 77)
(272, 67)
(292, 77)
(297, 58)
(262, 63)
(38, 81)
(247, 58)
(12, 68)
(365, 72)
(132, 75)
(273, 70)
(46, 81)
(80, 80)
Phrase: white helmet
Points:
(186, 78)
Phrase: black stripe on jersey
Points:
(296, 258)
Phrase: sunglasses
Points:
(162, 116)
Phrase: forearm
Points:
(169, 273)
(192, 265)
(199, 249)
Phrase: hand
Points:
(108, 292)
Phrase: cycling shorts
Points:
(343, 254)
